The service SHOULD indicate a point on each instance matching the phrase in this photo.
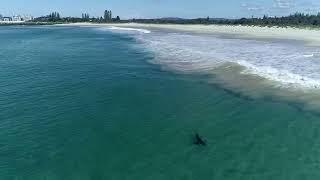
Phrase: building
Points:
(107, 15)
(16, 18)
(27, 18)
(6, 19)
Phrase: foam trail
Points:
(130, 29)
(308, 55)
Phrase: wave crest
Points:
(145, 31)
(281, 62)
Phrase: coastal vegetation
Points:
(56, 18)
(293, 20)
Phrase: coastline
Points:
(85, 103)
(257, 81)
(309, 36)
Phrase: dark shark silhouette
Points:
(198, 140)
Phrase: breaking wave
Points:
(123, 29)
(256, 68)
(289, 64)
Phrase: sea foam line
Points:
(145, 31)
(286, 64)
(286, 78)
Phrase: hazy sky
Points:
(160, 8)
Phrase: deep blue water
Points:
(80, 103)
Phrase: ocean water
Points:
(91, 103)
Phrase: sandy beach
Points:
(310, 36)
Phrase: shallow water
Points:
(81, 103)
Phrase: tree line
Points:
(55, 17)
(297, 20)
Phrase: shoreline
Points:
(309, 36)
(249, 79)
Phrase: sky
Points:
(160, 8)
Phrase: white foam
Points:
(284, 76)
(289, 64)
(130, 29)
(308, 55)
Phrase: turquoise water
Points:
(84, 104)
